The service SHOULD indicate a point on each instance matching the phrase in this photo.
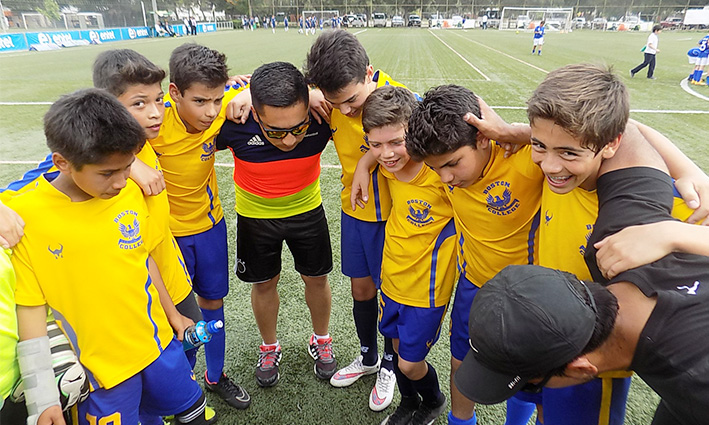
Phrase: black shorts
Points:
(259, 243)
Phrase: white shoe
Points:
(383, 391)
(348, 375)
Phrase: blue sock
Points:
(519, 411)
(388, 357)
(150, 419)
(214, 349)
(697, 75)
(452, 420)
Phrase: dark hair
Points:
(116, 70)
(588, 101)
(335, 60)
(89, 125)
(606, 313)
(387, 105)
(436, 126)
(192, 63)
(278, 84)
(656, 28)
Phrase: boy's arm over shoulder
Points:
(11, 227)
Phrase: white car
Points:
(397, 21)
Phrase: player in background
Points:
(701, 62)
(418, 262)
(495, 204)
(339, 66)
(277, 187)
(285, 22)
(195, 110)
(538, 40)
(93, 140)
(273, 24)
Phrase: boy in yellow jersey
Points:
(114, 320)
(136, 83)
(418, 263)
(570, 141)
(195, 111)
(495, 205)
(338, 65)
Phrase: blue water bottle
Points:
(200, 333)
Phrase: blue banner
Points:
(135, 32)
(52, 37)
(101, 36)
(10, 42)
(206, 27)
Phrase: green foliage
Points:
(50, 10)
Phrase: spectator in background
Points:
(650, 50)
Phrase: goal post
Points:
(526, 18)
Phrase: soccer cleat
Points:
(383, 392)
(404, 411)
(321, 351)
(651, 78)
(349, 374)
(234, 395)
(267, 374)
(426, 415)
(210, 415)
(632, 74)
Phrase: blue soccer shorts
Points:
(416, 328)
(362, 245)
(207, 259)
(601, 401)
(460, 315)
(145, 392)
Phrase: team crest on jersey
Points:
(57, 252)
(129, 226)
(582, 248)
(499, 198)
(419, 212)
(547, 217)
(209, 148)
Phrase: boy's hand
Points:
(238, 81)
(633, 247)
(239, 108)
(695, 192)
(181, 323)
(150, 180)
(51, 416)
(11, 225)
(360, 189)
(493, 127)
(319, 107)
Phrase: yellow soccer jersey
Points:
(418, 263)
(566, 224)
(497, 217)
(348, 136)
(88, 262)
(9, 369)
(187, 161)
(167, 254)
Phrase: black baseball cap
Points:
(524, 322)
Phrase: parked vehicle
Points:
(353, 21)
(578, 23)
(414, 20)
(379, 20)
(672, 22)
(599, 24)
(397, 21)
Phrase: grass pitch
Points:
(495, 64)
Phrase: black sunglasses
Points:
(282, 133)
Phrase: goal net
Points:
(526, 18)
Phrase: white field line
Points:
(360, 31)
(460, 56)
(520, 108)
(504, 54)
(685, 86)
